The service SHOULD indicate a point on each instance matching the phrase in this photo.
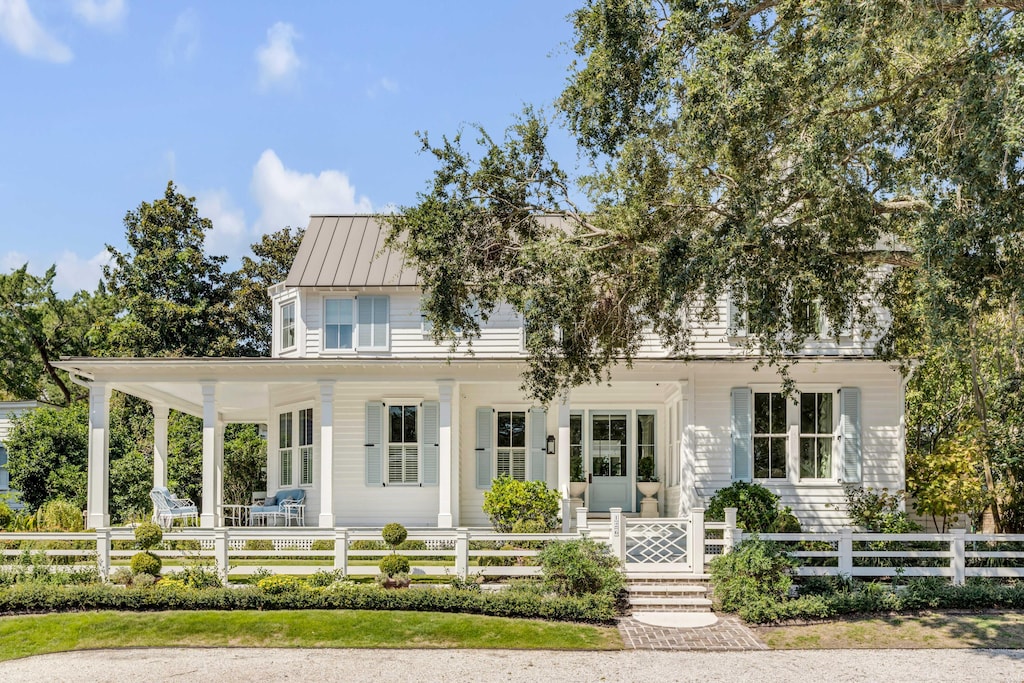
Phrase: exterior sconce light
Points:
(551, 445)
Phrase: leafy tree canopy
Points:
(272, 259)
(789, 151)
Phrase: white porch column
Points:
(445, 457)
(564, 474)
(97, 490)
(208, 518)
(327, 454)
(160, 415)
(218, 490)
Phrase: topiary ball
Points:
(148, 535)
(394, 533)
(390, 565)
(146, 563)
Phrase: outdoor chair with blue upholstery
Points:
(168, 507)
(287, 504)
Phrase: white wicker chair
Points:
(167, 508)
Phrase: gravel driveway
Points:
(427, 666)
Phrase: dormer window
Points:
(288, 325)
(338, 324)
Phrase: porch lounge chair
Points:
(167, 508)
(288, 504)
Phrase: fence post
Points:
(729, 536)
(462, 552)
(581, 519)
(617, 538)
(220, 552)
(103, 553)
(566, 515)
(958, 557)
(695, 540)
(846, 552)
(341, 550)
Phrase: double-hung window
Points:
(770, 436)
(816, 429)
(338, 324)
(403, 444)
(306, 447)
(288, 325)
(576, 470)
(372, 322)
(284, 447)
(512, 444)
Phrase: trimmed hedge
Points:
(32, 598)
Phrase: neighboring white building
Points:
(9, 411)
(379, 424)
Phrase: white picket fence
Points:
(679, 546)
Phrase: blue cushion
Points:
(270, 500)
(265, 508)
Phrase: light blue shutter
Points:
(429, 441)
(538, 444)
(374, 445)
(484, 447)
(849, 405)
(742, 443)
(380, 321)
(364, 321)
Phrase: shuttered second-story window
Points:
(338, 324)
(288, 325)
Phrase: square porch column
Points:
(445, 458)
(160, 417)
(326, 520)
(208, 517)
(98, 487)
(563, 447)
(218, 489)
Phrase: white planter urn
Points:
(649, 504)
(577, 489)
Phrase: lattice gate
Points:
(657, 545)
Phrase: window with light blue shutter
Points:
(741, 433)
(849, 403)
(430, 436)
(373, 443)
(484, 447)
(372, 322)
(538, 444)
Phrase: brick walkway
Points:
(728, 634)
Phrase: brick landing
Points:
(728, 634)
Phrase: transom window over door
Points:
(403, 445)
(512, 444)
(816, 427)
(769, 436)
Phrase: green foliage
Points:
(510, 500)
(245, 458)
(392, 565)
(6, 516)
(757, 509)
(280, 585)
(878, 511)
(199, 577)
(581, 567)
(148, 535)
(394, 534)
(59, 515)
(272, 259)
(947, 482)
(259, 544)
(753, 572)
(48, 450)
(323, 578)
(322, 545)
(146, 563)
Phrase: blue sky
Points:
(264, 111)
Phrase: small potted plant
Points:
(646, 479)
(577, 477)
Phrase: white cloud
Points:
(102, 13)
(382, 85)
(287, 197)
(75, 273)
(229, 235)
(278, 64)
(182, 43)
(12, 260)
(20, 30)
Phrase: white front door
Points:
(610, 461)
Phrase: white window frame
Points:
(297, 449)
(787, 455)
(386, 343)
(294, 304)
(793, 434)
(513, 449)
(388, 443)
(354, 324)
(307, 454)
(285, 450)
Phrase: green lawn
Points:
(23, 636)
(924, 630)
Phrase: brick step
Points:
(668, 577)
(666, 589)
(670, 604)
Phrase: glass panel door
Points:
(610, 461)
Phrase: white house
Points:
(9, 411)
(379, 424)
